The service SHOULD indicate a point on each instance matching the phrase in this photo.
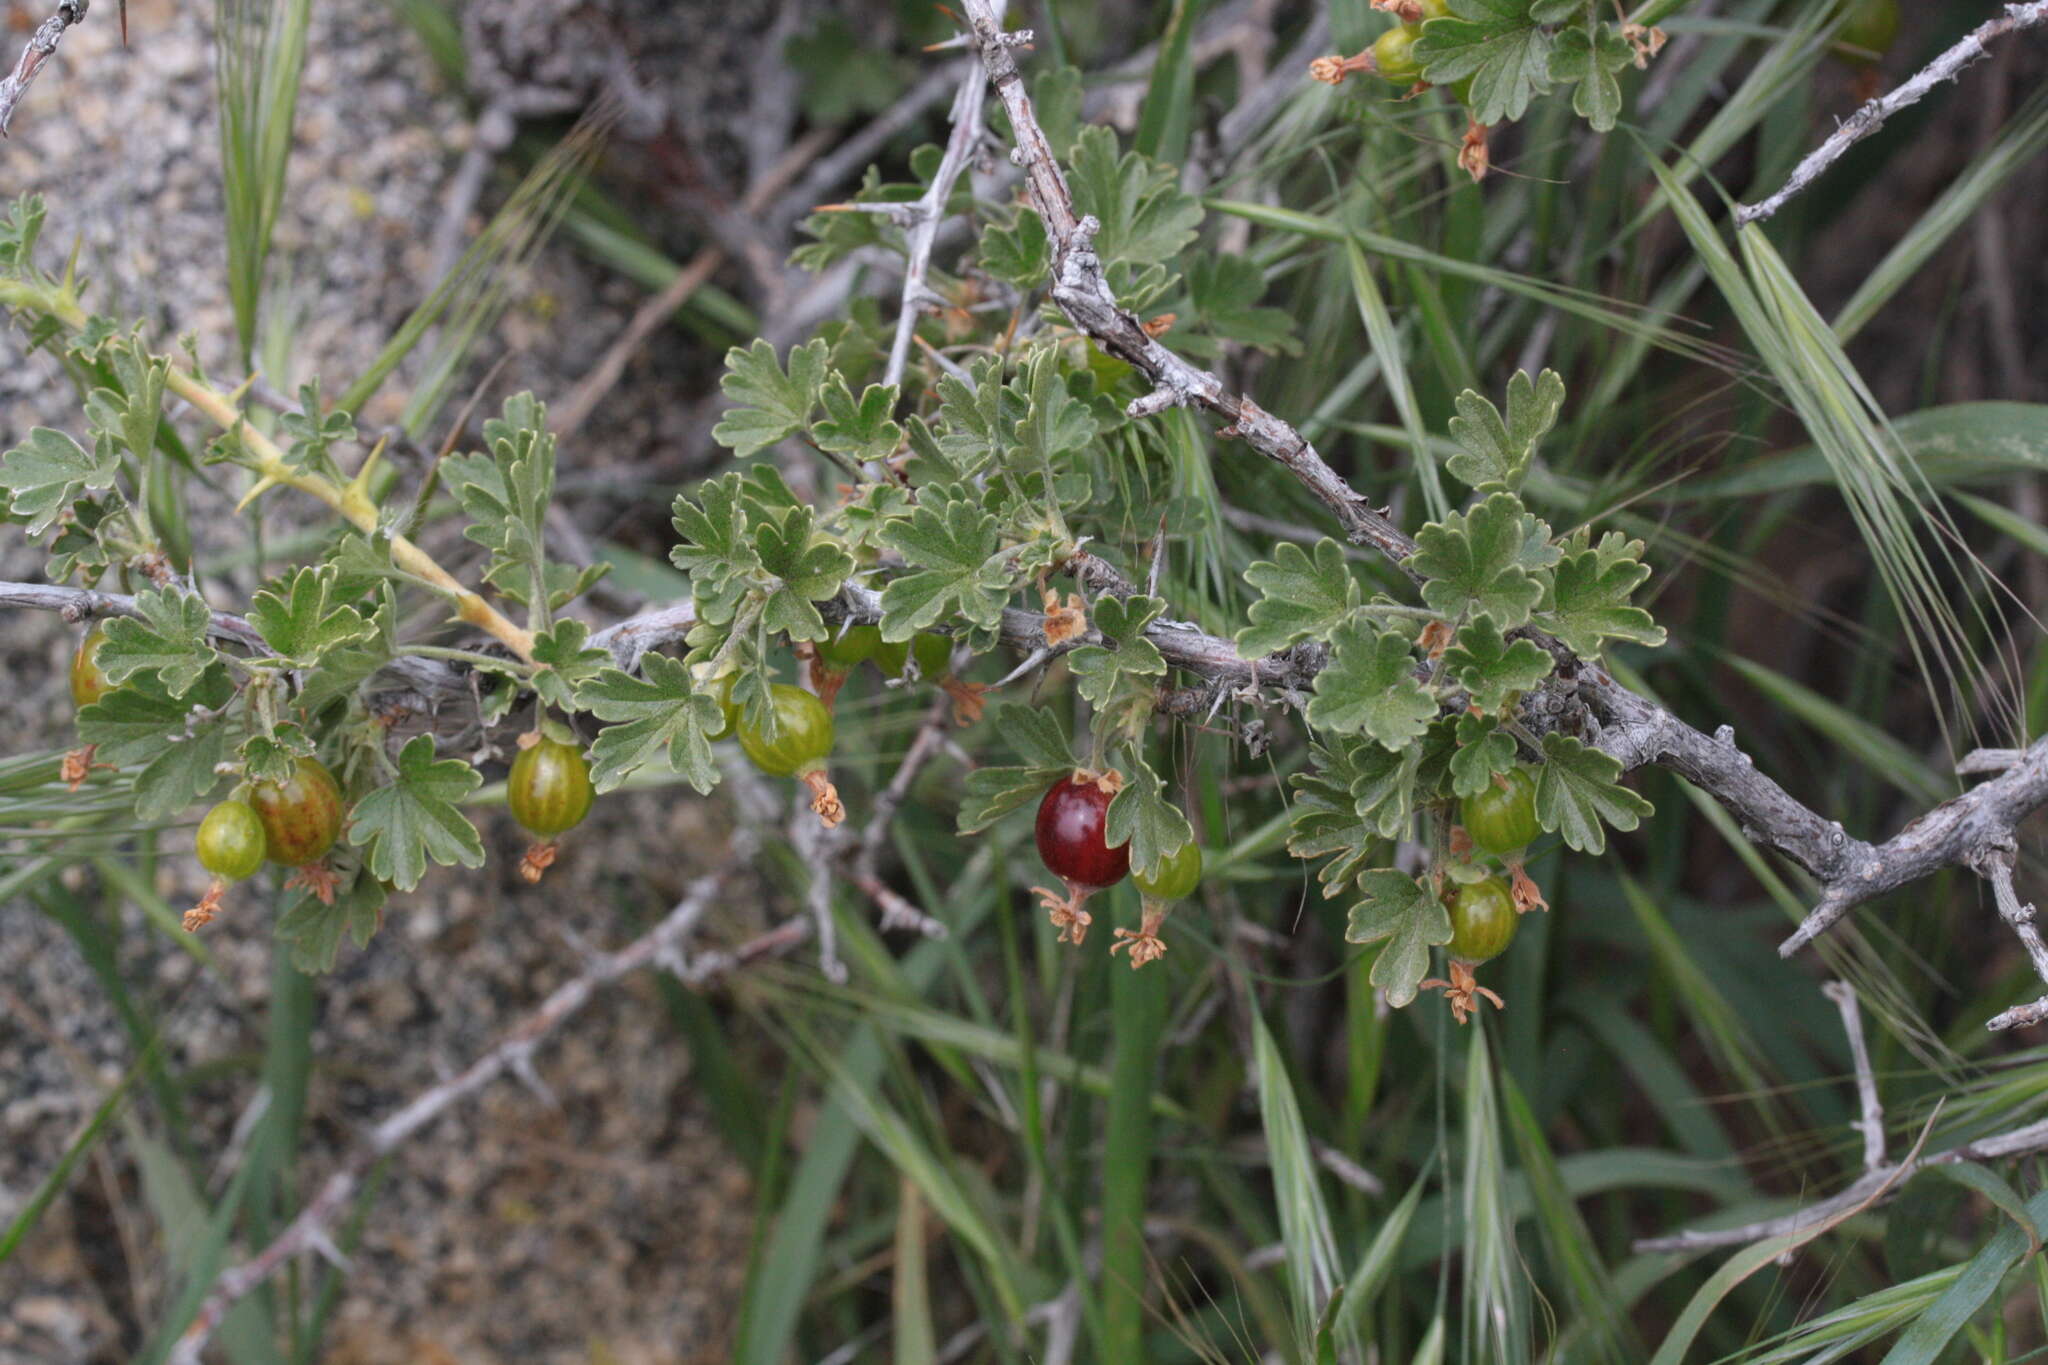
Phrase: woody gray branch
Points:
(41, 46)
(1637, 731)
(1872, 116)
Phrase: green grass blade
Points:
(1137, 1004)
(1378, 1264)
(1927, 1339)
(52, 1184)
(1386, 346)
(909, 1288)
(1498, 1329)
(1313, 1270)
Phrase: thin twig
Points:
(929, 210)
(865, 856)
(1872, 116)
(1871, 1124)
(1873, 1188)
(42, 44)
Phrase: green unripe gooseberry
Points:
(1483, 921)
(231, 841)
(803, 734)
(1394, 58)
(1502, 819)
(549, 788)
(88, 682)
(1176, 877)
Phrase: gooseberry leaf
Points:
(1047, 757)
(182, 771)
(961, 573)
(1019, 253)
(1400, 910)
(566, 661)
(506, 492)
(170, 641)
(46, 473)
(859, 428)
(1146, 218)
(137, 720)
(1100, 673)
(808, 567)
(348, 667)
(313, 930)
(310, 432)
(417, 817)
(304, 622)
(136, 411)
(1141, 817)
(1324, 821)
(714, 550)
(770, 403)
(274, 757)
(1586, 602)
(1496, 452)
(1483, 750)
(1223, 296)
(1383, 787)
(1578, 788)
(1490, 667)
(1369, 687)
(1304, 594)
(660, 715)
(1054, 421)
(977, 418)
(1501, 46)
(1594, 55)
(1484, 560)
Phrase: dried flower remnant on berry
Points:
(1463, 991)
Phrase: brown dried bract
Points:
(1461, 842)
(1647, 42)
(1157, 327)
(1463, 991)
(825, 802)
(1407, 11)
(1333, 69)
(538, 860)
(1528, 896)
(78, 766)
(1109, 779)
(1144, 941)
(969, 699)
(1473, 157)
(1435, 639)
(201, 915)
(317, 878)
(1066, 913)
(1064, 623)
